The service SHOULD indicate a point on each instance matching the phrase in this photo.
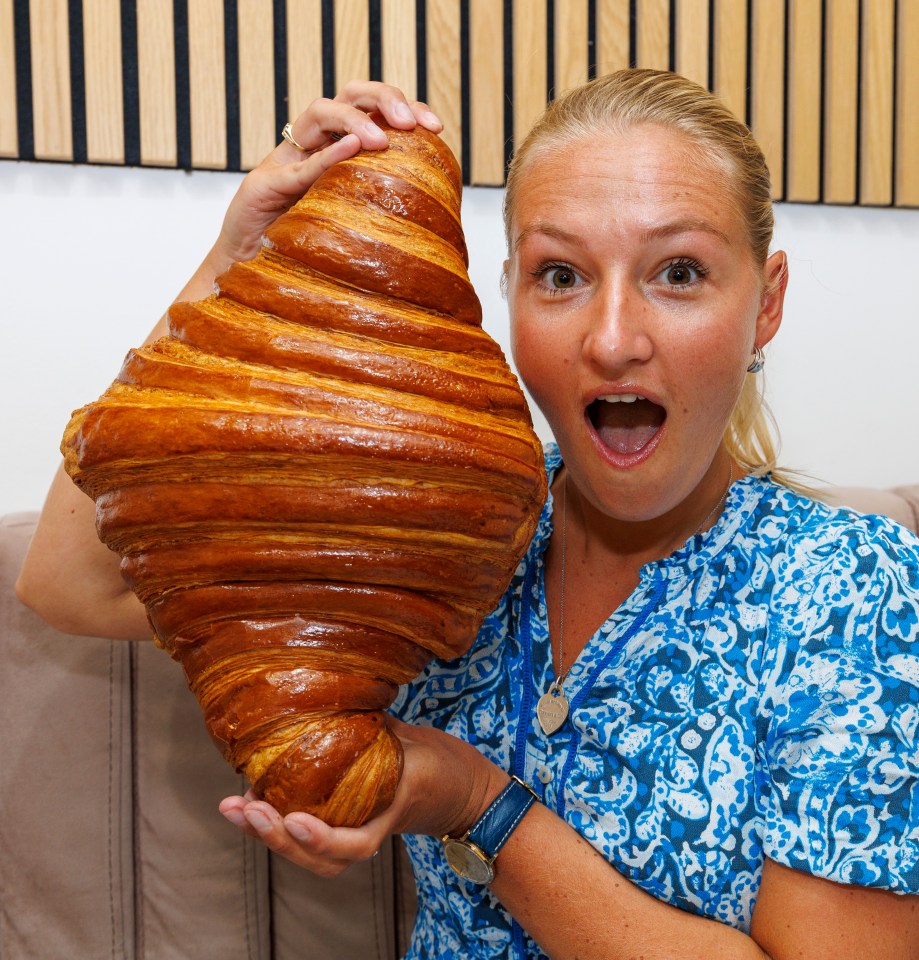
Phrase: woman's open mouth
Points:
(626, 423)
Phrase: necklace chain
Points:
(555, 687)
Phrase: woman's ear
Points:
(505, 274)
(769, 319)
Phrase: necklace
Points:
(552, 707)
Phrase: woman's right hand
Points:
(329, 131)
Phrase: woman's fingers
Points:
(391, 102)
(303, 839)
(268, 191)
(233, 808)
(347, 113)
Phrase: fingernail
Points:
(404, 113)
(235, 817)
(297, 830)
(258, 820)
(431, 118)
(373, 130)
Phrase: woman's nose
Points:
(618, 329)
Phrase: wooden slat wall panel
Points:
(876, 146)
(571, 51)
(653, 34)
(907, 134)
(530, 65)
(804, 119)
(156, 83)
(304, 54)
(444, 75)
(9, 136)
(103, 71)
(400, 60)
(767, 118)
(832, 94)
(352, 41)
(730, 80)
(256, 81)
(51, 109)
(692, 47)
(613, 30)
(486, 94)
(841, 108)
(206, 72)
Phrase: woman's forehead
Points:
(645, 173)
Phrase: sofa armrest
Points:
(898, 503)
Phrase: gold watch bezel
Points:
(467, 860)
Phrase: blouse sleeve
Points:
(839, 793)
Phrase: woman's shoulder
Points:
(810, 538)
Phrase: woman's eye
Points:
(560, 278)
(682, 273)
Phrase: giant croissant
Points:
(325, 476)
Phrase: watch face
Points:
(468, 861)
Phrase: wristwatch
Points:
(472, 855)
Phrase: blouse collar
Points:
(700, 549)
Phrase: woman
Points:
(705, 678)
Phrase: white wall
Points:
(91, 256)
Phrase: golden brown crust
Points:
(323, 477)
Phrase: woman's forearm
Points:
(575, 905)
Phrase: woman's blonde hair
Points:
(626, 98)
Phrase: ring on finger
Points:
(288, 134)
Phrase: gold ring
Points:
(288, 134)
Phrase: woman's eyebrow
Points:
(686, 225)
(547, 230)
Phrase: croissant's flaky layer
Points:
(323, 477)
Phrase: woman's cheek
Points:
(536, 349)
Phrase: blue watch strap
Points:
(490, 832)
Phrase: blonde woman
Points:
(690, 727)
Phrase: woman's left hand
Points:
(446, 785)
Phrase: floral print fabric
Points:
(757, 695)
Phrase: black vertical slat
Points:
(748, 96)
(22, 45)
(133, 684)
(821, 144)
(130, 84)
(711, 45)
(375, 16)
(281, 79)
(328, 48)
(785, 98)
(508, 83)
(671, 40)
(421, 50)
(550, 50)
(183, 98)
(633, 33)
(591, 39)
(465, 111)
(895, 103)
(858, 108)
(77, 80)
(231, 82)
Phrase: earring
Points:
(758, 361)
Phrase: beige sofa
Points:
(110, 842)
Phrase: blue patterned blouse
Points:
(757, 695)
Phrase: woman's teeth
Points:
(621, 397)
